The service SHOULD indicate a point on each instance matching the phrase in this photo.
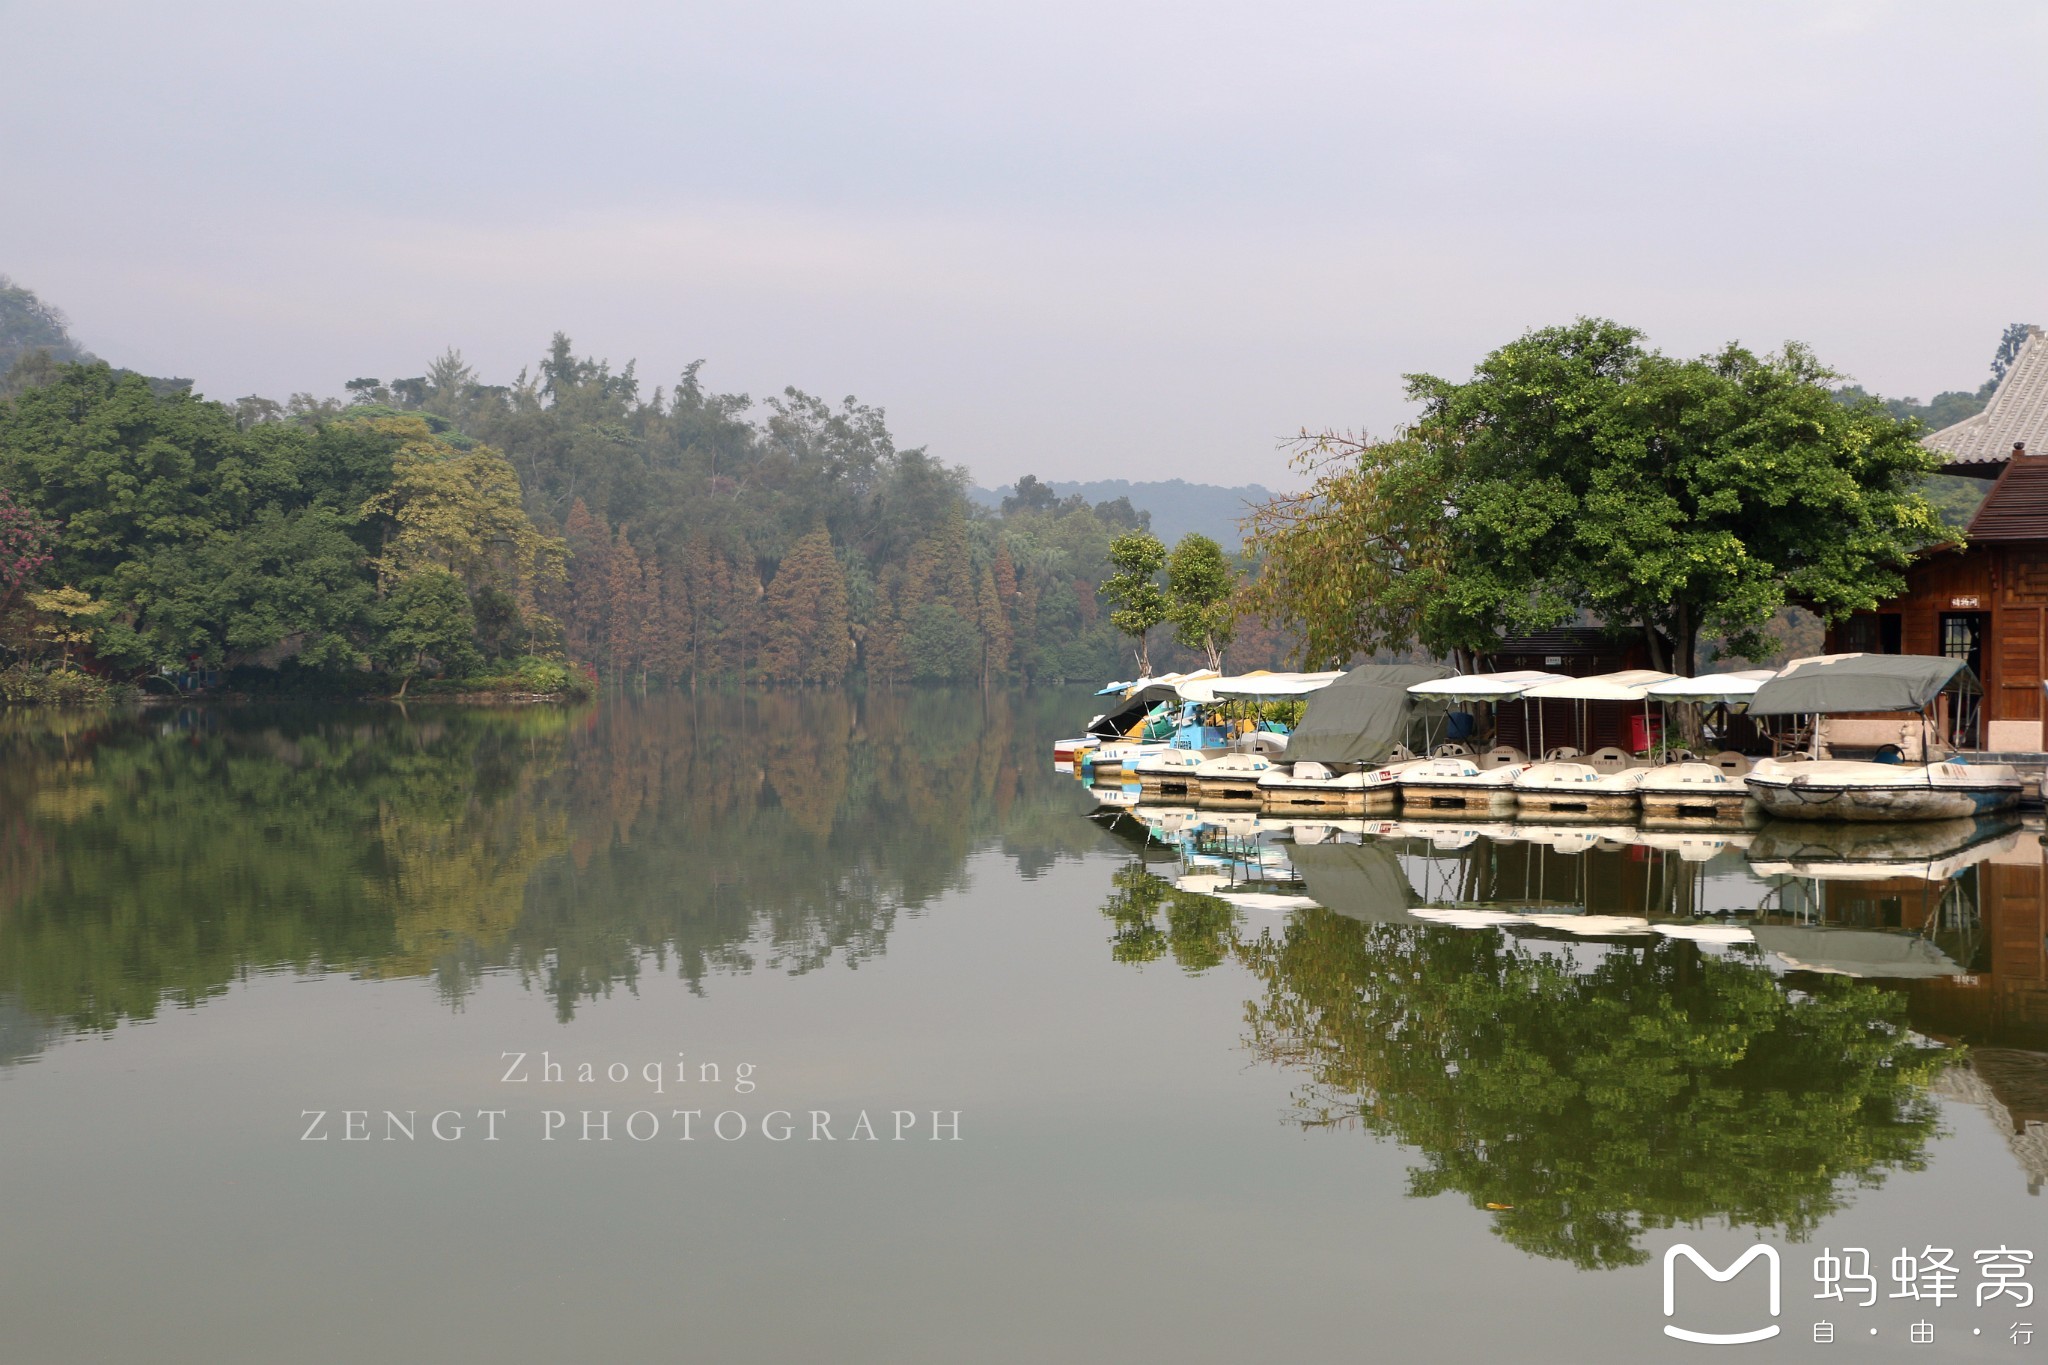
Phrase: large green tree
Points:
(1578, 470)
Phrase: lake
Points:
(810, 1026)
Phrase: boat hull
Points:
(1830, 790)
(1571, 805)
(1690, 808)
(1420, 798)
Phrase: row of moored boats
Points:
(1177, 742)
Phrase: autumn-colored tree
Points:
(626, 611)
(805, 631)
(669, 629)
(589, 543)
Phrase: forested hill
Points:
(1175, 506)
(445, 525)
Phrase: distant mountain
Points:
(1177, 506)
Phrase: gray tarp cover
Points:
(1361, 717)
(1362, 881)
(1859, 682)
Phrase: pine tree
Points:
(791, 610)
(831, 652)
(675, 655)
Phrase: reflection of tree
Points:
(177, 854)
(1660, 1086)
(164, 856)
(1199, 931)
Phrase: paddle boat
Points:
(1314, 787)
(1168, 778)
(1818, 787)
(1694, 793)
(1231, 779)
(1456, 785)
(1599, 786)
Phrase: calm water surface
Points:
(1226, 1089)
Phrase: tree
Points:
(805, 636)
(1359, 563)
(1577, 471)
(1201, 590)
(628, 608)
(1140, 603)
(427, 627)
(459, 510)
(67, 619)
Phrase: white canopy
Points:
(1256, 686)
(1485, 686)
(1631, 685)
(1175, 680)
(1728, 687)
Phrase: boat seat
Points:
(1502, 756)
(1451, 750)
(1401, 754)
(1608, 760)
(1731, 763)
(1559, 753)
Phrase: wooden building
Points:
(1986, 603)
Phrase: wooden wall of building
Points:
(2009, 585)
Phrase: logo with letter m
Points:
(1769, 1254)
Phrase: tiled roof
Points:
(2018, 411)
(2016, 508)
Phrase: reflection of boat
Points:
(1110, 758)
(1691, 845)
(1107, 795)
(1313, 787)
(1448, 836)
(1693, 792)
(1723, 935)
(1320, 831)
(1567, 838)
(1844, 789)
(1934, 850)
(1577, 789)
(1481, 917)
(1457, 786)
(1854, 952)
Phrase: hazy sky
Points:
(1087, 240)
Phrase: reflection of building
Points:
(2003, 998)
(2012, 1089)
(1987, 603)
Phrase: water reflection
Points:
(1595, 1031)
(160, 857)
